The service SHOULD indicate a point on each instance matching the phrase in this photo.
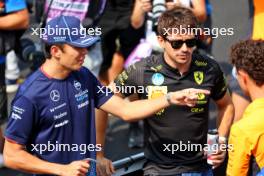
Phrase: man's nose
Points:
(184, 47)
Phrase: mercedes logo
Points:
(55, 95)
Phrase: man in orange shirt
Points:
(247, 135)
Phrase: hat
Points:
(69, 30)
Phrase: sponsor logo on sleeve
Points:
(17, 112)
(16, 116)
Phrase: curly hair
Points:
(248, 55)
(176, 18)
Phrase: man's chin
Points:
(79, 68)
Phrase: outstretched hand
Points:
(188, 96)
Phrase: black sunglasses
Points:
(176, 44)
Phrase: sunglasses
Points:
(176, 44)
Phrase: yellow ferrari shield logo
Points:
(199, 77)
(201, 96)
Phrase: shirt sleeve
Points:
(21, 121)
(129, 80)
(220, 84)
(14, 5)
(239, 153)
(102, 93)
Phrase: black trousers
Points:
(128, 38)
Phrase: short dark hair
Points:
(46, 49)
(248, 55)
(176, 17)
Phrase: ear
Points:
(161, 41)
(243, 76)
(55, 51)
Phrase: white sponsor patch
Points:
(18, 110)
(59, 116)
(62, 123)
(15, 116)
(83, 104)
(57, 107)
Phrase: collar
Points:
(175, 70)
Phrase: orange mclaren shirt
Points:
(258, 23)
(247, 138)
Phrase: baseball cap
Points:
(69, 30)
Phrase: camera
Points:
(158, 7)
(30, 54)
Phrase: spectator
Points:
(13, 16)
(12, 72)
(119, 38)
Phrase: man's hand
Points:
(187, 96)
(146, 5)
(76, 168)
(172, 4)
(104, 167)
(218, 158)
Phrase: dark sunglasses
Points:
(176, 44)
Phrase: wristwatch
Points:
(168, 97)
